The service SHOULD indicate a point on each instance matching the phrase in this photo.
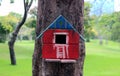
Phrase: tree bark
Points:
(48, 11)
(27, 5)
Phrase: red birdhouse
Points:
(60, 42)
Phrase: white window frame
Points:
(61, 33)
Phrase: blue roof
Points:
(60, 23)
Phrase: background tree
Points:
(104, 26)
(116, 32)
(27, 5)
(87, 22)
(48, 10)
(115, 26)
(108, 26)
(100, 7)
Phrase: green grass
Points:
(23, 51)
(100, 60)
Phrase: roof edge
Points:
(55, 21)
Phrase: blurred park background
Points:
(101, 32)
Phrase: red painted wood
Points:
(48, 36)
(50, 50)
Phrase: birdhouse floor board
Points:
(61, 60)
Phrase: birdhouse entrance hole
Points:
(60, 39)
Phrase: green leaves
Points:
(11, 1)
(108, 25)
(7, 23)
(5, 26)
(88, 26)
(31, 22)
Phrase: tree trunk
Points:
(13, 39)
(48, 10)
(27, 5)
(101, 39)
(30, 37)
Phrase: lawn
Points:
(100, 60)
(24, 51)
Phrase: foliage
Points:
(116, 32)
(11, 1)
(7, 24)
(104, 26)
(115, 26)
(109, 26)
(26, 33)
(0, 2)
(87, 22)
(5, 28)
(31, 22)
(30, 25)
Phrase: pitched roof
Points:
(60, 23)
